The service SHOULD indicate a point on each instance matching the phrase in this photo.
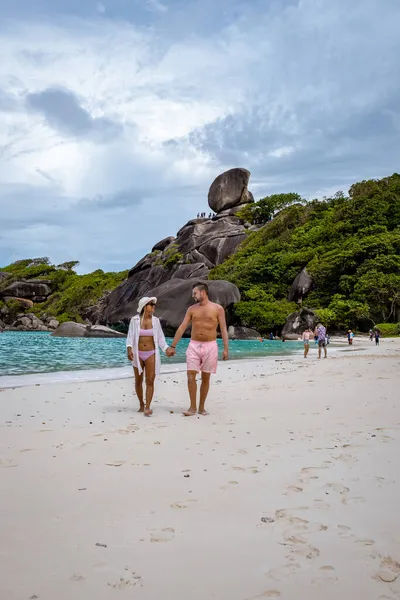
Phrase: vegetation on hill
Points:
(72, 294)
(349, 244)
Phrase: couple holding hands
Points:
(145, 337)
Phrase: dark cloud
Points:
(63, 112)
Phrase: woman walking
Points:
(145, 336)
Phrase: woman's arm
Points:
(130, 339)
(161, 337)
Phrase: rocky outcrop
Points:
(37, 291)
(297, 322)
(198, 247)
(236, 332)
(71, 329)
(23, 302)
(230, 189)
(173, 299)
(163, 243)
(27, 321)
(301, 286)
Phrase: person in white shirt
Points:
(145, 337)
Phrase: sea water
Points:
(23, 353)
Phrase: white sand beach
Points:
(290, 488)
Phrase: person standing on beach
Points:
(320, 334)
(306, 341)
(377, 336)
(202, 352)
(350, 336)
(145, 336)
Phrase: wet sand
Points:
(290, 488)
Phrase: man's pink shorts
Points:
(202, 356)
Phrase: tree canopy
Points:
(350, 246)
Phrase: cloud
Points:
(64, 113)
(156, 5)
(115, 123)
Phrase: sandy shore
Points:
(289, 489)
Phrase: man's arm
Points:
(182, 328)
(224, 332)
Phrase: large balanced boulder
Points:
(199, 246)
(37, 291)
(302, 284)
(297, 322)
(71, 329)
(230, 189)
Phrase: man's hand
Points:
(130, 353)
(225, 355)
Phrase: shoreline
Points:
(125, 372)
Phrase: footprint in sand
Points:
(162, 535)
(280, 573)
(266, 594)
(182, 504)
(115, 463)
(389, 571)
(364, 542)
(326, 575)
(284, 514)
(8, 463)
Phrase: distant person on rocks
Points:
(202, 352)
(198, 215)
(320, 334)
(145, 336)
(307, 334)
(271, 336)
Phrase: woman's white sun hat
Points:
(145, 300)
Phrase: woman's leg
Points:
(139, 387)
(150, 375)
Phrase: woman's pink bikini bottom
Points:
(145, 354)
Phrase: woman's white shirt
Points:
(132, 341)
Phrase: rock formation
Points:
(300, 287)
(229, 190)
(236, 332)
(175, 263)
(297, 322)
(37, 291)
(71, 329)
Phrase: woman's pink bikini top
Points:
(146, 333)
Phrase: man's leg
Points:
(192, 387)
(319, 350)
(205, 386)
(325, 351)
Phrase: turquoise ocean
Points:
(23, 353)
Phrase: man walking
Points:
(202, 352)
(320, 333)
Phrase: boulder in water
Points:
(297, 322)
(71, 329)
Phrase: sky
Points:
(117, 115)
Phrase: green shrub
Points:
(388, 329)
(170, 257)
